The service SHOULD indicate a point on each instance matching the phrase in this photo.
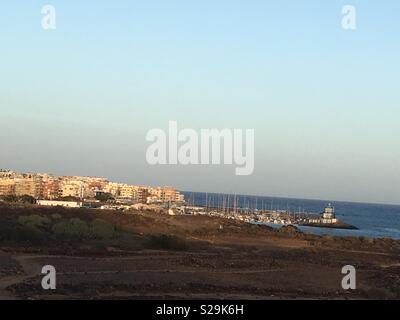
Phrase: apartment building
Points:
(7, 187)
(134, 193)
(142, 194)
(71, 189)
(128, 192)
(31, 185)
(113, 189)
(49, 187)
(168, 194)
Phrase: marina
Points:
(373, 220)
(228, 207)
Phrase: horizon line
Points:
(295, 198)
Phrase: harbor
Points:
(231, 209)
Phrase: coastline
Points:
(157, 256)
(372, 220)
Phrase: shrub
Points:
(27, 229)
(23, 233)
(34, 221)
(104, 197)
(31, 234)
(101, 229)
(8, 232)
(20, 199)
(72, 228)
(56, 216)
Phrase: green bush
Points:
(72, 228)
(104, 197)
(31, 234)
(30, 228)
(34, 221)
(25, 233)
(20, 199)
(8, 232)
(101, 229)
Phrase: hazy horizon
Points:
(208, 191)
(323, 101)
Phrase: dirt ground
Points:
(213, 259)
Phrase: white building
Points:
(67, 204)
(328, 216)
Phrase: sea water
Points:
(372, 220)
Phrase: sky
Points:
(324, 102)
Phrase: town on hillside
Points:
(78, 191)
(99, 193)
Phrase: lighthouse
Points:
(328, 216)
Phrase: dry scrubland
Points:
(141, 255)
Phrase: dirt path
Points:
(32, 268)
(144, 264)
(7, 281)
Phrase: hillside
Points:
(131, 255)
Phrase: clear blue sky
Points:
(324, 102)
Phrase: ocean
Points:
(372, 220)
